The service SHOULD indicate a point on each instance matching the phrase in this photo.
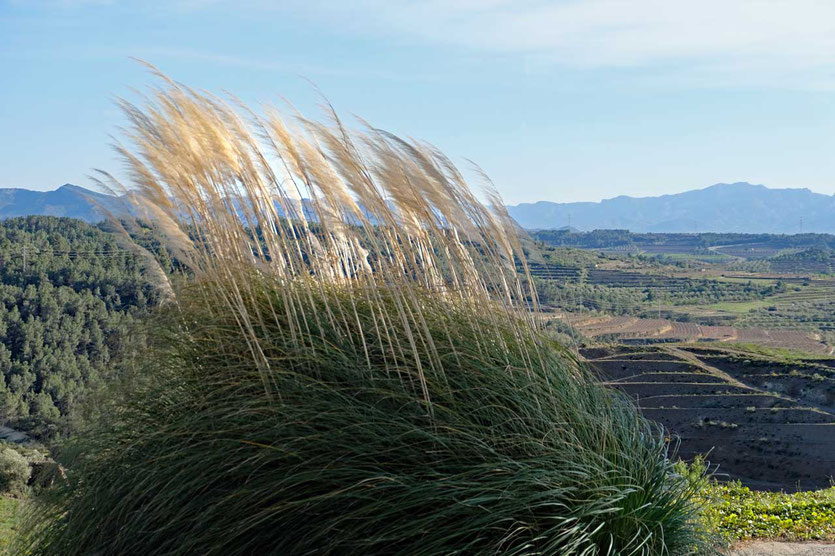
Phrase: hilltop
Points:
(735, 207)
(68, 200)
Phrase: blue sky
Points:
(567, 100)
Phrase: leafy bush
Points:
(14, 471)
(695, 472)
(740, 514)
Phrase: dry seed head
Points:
(322, 208)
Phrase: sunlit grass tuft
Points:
(506, 457)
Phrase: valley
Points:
(724, 339)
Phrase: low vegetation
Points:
(10, 519)
(762, 283)
(14, 471)
(738, 513)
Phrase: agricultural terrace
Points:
(765, 423)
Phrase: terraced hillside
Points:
(612, 278)
(769, 424)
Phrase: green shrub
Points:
(337, 458)
(14, 471)
(695, 472)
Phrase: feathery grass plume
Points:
(324, 207)
(354, 370)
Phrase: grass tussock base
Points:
(344, 453)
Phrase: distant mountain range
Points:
(68, 200)
(735, 207)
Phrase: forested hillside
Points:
(609, 239)
(69, 299)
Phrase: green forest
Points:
(601, 239)
(69, 299)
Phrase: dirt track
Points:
(783, 548)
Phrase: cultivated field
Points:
(769, 424)
(641, 330)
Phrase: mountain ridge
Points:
(723, 207)
(68, 200)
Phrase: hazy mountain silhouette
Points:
(736, 207)
(68, 200)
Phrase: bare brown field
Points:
(661, 330)
(688, 330)
(808, 383)
(603, 324)
(791, 339)
(748, 251)
(720, 333)
(768, 424)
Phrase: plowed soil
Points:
(769, 425)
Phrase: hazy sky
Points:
(566, 100)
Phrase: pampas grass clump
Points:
(506, 458)
(354, 370)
